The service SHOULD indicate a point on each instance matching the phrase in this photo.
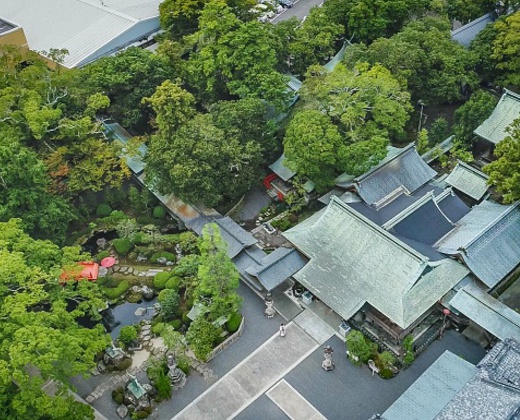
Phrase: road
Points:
(299, 10)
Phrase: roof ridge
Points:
(472, 169)
(108, 9)
(403, 214)
(392, 239)
(216, 221)
(490, 225)
(265, 267)
(472, 23)
(383, 163)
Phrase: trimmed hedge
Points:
(176, 324)
(102, 254)
(233, 322)
(123, 246)
(116, 292)
(160, 279)
(168, 255)
(173, 283)
(103, 210)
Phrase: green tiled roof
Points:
(353, 261)
(468, 180)
(506, 111)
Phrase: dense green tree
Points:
(169, 300)
(506, 48)
(470, 115)
(202, 335)
(40, 338)
(466, 11)
(369, 20)
(25, 190)
(504, 172)
(424, 59)
(482, 48)
(311, 147)
(126, 78)
(234, 59)
(218, 278)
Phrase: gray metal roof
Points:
(235, 236)
(353, 261)
(494, 391)
(488, 240)
(452, 206)
(428, 395)
(281, 170)
(135, 163)
(245, 259)
(468, 180)
(439, 149)
(403, 173)
(6, 26)
(506, 111)
(86, 28)
(467, 33)
(487, 312)
(277, 267)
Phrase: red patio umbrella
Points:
(108, 262)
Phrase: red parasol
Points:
(108, 262)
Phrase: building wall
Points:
(15, 37)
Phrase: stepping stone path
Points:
(127, 270)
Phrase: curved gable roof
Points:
(404, 172)
(353, 261)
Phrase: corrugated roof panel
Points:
(468, 180)
(81, 27)
(506, 111)
(428, 395)
(467, 33)
(138, 9)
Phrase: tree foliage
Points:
(202, 335)
(503, 172)
(217, 276)
(349, 118)
(506, 48)
(40, 338)
(424, 59)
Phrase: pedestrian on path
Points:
(282, 330)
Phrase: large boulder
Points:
(122, 411)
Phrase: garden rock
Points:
(147, 292)
(145, 329)
(101, 367)
(169, 263)
(162, 260)
(122, 411)
(140, 311)
(141, 258)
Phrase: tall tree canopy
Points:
(424, 59)
(206, 158)
(40, 338)
(354, 115)
(504, 172)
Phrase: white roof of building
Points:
(80, 26)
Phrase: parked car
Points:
(286, 3)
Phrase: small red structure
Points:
(108, 262)
(90, 271)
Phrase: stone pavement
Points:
(313, 325)
(252, 377)
(292, 403)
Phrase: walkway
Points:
(292, 403)
(252, 377)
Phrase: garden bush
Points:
(163, 385)
(123, 246)
(386, 374)
(281, 224)
(157, 328)
(173, 283)
(116, 292)
(385, 360)
(408, 346)
(160, 279)
(168, 255)
(359, 346)
(118, 395)
(102, 254)
(124, 365)
(185, 318)
(169, 300)
(176, 324)
(233, 322)
(141, 414)
(103, 210)
(151, 221)
(128, 334)
(139, 238)
(159, 212)
(183, 364)
(202, 335)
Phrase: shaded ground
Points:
(254, 201)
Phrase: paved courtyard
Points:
(262, 375)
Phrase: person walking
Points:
(282, 330)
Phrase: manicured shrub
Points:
(169, 300)
(202, 335)
(160, 279)
(124, 365)
(157, 328)
(233, 322)
(162, 254)
(102, 254)
(281, 224)
(141, 414)
(360, 347)
(159, 212)
(116, 292)
(176, 324)
(118, 395)
(386, 374)
(123, 246)
(183, 364)
(128, 334)
(103, 210)
(185, 318)
(173, 283)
